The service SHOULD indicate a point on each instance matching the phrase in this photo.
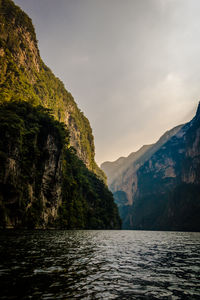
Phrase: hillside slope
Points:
(48, 175)
(42, 181)
(168, 194)
(160, 190)
(23, 75)
(123, 179)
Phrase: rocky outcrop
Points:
(167, 196)
(24, 76)
(123, 177)
(43, 183)
(160, 189)
(40, 184)
(48, 174)
(116, 169)
(51, 187)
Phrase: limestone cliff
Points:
(48, 175)
(31, 167)
(159, 187)
(168, 184)
(42, 181)
(24, 76)
(123, 177)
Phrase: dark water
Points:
(99, 265)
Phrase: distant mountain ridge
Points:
(116, 168)
(122, 177)
(161, 190)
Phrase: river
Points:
(91, 264)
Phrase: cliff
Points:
(160, 189)
(48, 175)
(168, 191)
(115, 170)
(43, 184)
(23, 75)
(123, 178)
(31, 166)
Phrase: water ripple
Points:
(99, 265)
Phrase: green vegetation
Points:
(36, 163)
(48, 175)
(43, 181)
(24, 131)
(87, 202)
(9, 12)
(23, 75)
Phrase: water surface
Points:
(99, 265)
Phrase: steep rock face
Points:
(43, 183)
(31, 169)
(112, 169)
(126, 180)
(48, 175)
(160, 189)
(24, 76)
(51, 189)
(115, 170)
(124, 177)
(169, 184)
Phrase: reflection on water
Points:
(99, 265)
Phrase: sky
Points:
(132, 66)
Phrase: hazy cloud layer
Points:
(133, 66)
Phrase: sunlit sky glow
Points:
(133, 66)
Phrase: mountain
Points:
(123, 177)
(23, 75)
(168, 194)
(160, 190)
(48, 175)
(115, 169)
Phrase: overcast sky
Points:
(133, 66)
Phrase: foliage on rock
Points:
(23, 75)
(42, 181)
